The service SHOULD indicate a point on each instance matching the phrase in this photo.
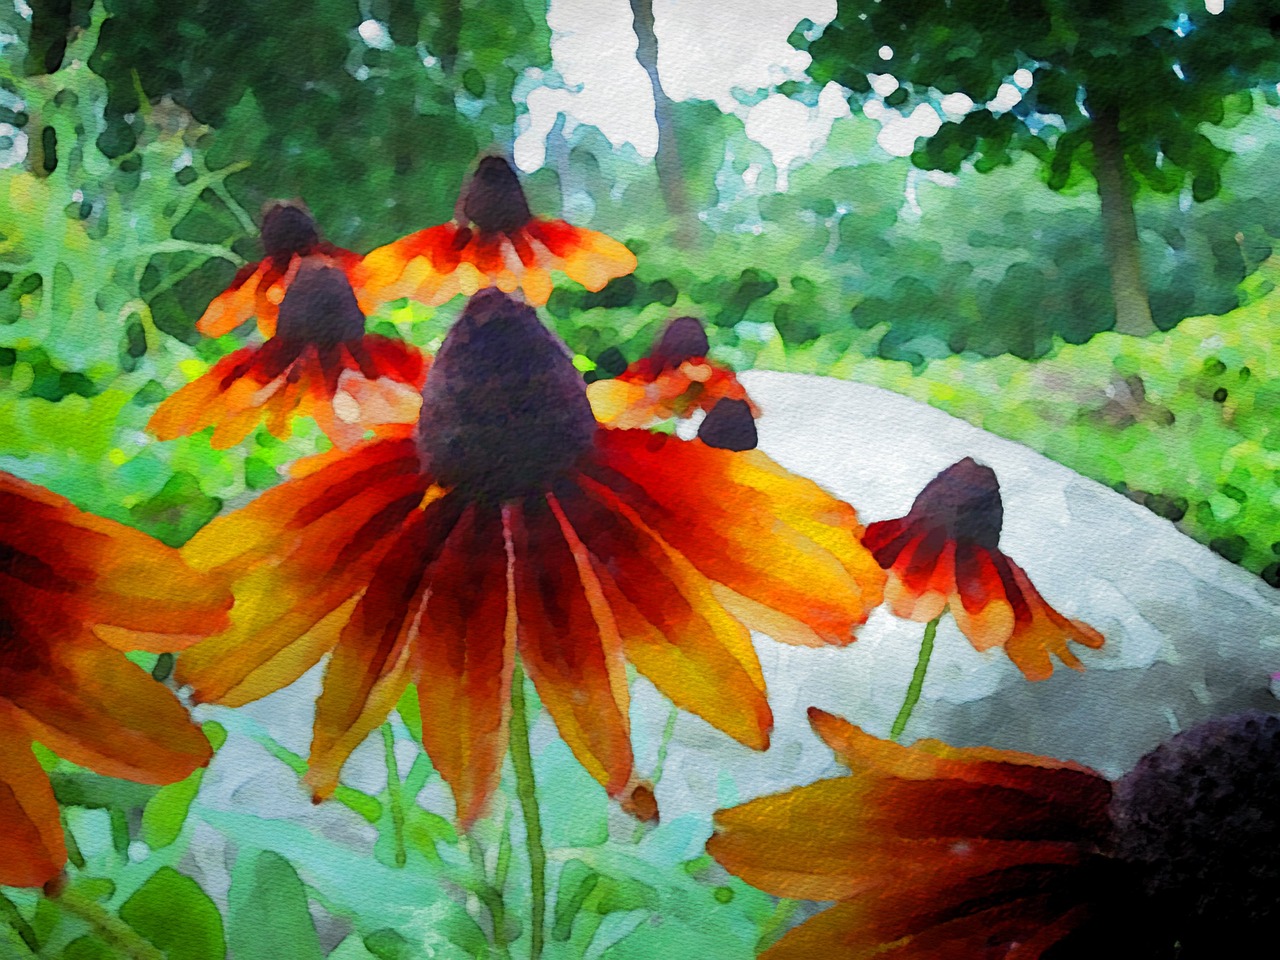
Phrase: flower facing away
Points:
(945, 555)
(73, 587)
(494, 241)
(513, 523)
(289, 238)
(673, 381)
(941, 852)
(320, 363)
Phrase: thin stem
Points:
(395, 799)
(526, 790)
(107, 925)
(664, 745)
(917, 679)
(772, 928)
(9, 914)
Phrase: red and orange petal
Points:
(63, 566)
(424, 584)
(436, 264)
(648, 393)
(349, 389)
(298, 558)
(258, 289)
(936, 851)
(33, 851)
(992, 599)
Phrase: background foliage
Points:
(137, 144)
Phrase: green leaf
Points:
(268, 915)
(177, 916)
(166, 812)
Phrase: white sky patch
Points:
(898, 133)
(1023, 78)
(706, 50)
(883, 83)
(1214, 7)
(375, 34)
(790, 131)
(1006, 98)
(885, 52)
(956, 105)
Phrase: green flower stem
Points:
(917, 679)
(774, 926)
(526, 790)
(395, 794)
(107, 925)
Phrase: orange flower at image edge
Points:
(945, 853)
(70, 584)
(494, 242)
(320, 363)
(945, 555)
(513, 522)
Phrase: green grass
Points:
(1186, 422)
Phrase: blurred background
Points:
(911, 198)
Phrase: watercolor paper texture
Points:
(633, 479)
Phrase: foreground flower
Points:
(70, 583)
(934, 851)
(319, 364)
(672, 382)
(494, 241)
(945, 555)
(514, 523)
(289, 238)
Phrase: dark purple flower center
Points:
(494, 200)
(729, 425)
(1197, 824)
(288, 230)
(320, 308)
(504, 412)
(963, 500)
(684, 339)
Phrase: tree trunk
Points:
(1120, 228)
(670, 173)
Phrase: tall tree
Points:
(670, 169)
(1117, 91)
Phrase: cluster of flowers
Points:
(483, 509)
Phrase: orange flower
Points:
(513, 522)
(319, 364)
(70, 584)
(933, 851)
(494, 241)
(289, 238)
(945, 555)
(673, 381)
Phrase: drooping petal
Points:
(92, 706)
(585, 256)
(464, 654)
(373, 661)
(66, 563)
(569, 642)
(413, 266)
(285, 518)
(33, 851)
(1041, 632)
(1079, 793)
(734, 514)
(240, 302)
(673, 628)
